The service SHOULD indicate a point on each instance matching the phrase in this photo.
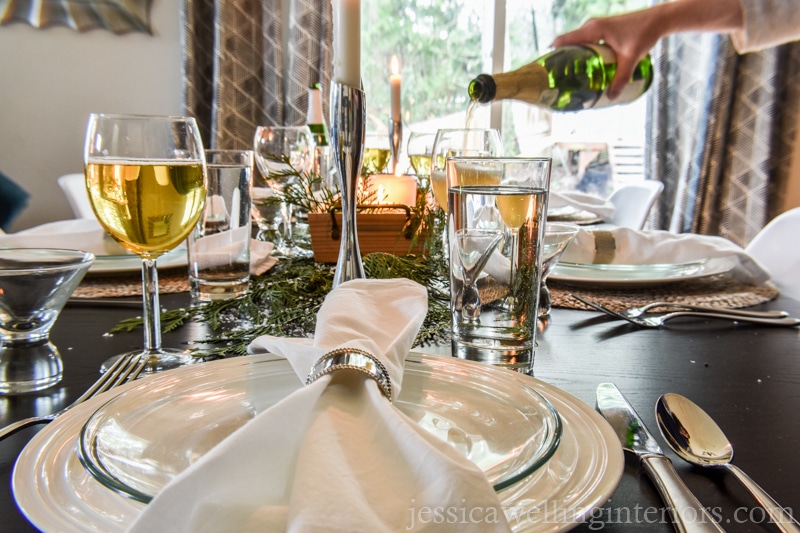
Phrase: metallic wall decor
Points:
(118, 16)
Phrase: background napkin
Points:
(335, 455)
(582, 202)
(626, 246)
(74, 234)
(224, 247)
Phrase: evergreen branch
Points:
(285, 301)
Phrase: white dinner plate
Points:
(56, 492)
(613, 275)
(115, 264)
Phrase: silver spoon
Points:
(696, 438)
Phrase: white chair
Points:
(775, 247)
(632, 203)
(74, 187)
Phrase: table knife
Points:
(688, 514)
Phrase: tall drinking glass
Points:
(272, 145)
(146, 179)
(497, 209)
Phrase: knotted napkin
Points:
(336, 455)
(626, 246)
(582, 202)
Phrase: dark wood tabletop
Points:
(746, 377)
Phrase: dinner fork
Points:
(127, 368)
(659, 320)
(636, 312)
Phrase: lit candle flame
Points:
(394, 65)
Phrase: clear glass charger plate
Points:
(139, 441)
(56, 493)
(618, 275)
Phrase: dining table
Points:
(746, 377)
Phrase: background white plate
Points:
(112, 264)
(640, 275)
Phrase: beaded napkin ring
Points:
(354, 359)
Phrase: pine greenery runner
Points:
(285, 300)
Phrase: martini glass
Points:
(146, 179)
(474, 248)
(558, 235)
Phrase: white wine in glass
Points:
(146, 179)
(419, 149)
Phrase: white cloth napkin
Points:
(74, 234)
(226, 246)
(335, 455)
(627, 246)
(582, 202)
(261, 258)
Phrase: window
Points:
(443, 44)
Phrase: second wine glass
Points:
(146, 178)
(281, 152)
(459, 142)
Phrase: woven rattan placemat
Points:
(116, 286)
(721, 291)
(715, 290)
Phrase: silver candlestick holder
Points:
(395, 139)
(348, 130)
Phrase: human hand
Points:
(630, 36)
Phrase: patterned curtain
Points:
(722, 128)
(237, 72)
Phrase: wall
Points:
(51, 79)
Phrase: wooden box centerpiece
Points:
(381, 228)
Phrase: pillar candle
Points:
(391, 189)
(347, 42)
(395, 81)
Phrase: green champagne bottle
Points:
(569, 78)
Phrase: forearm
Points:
(767, 23)
(720, 16)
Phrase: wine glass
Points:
(273, 146)
(557, 236)
(377, 153)
(461, 142)
(458, 142)
(419, 149)
(146, 179)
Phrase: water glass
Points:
(496, 218)
(219, 246)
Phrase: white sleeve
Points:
(767, 23)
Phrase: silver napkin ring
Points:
(354, 359)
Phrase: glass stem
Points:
(514, 255)
(286, 210)
(152, 309)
